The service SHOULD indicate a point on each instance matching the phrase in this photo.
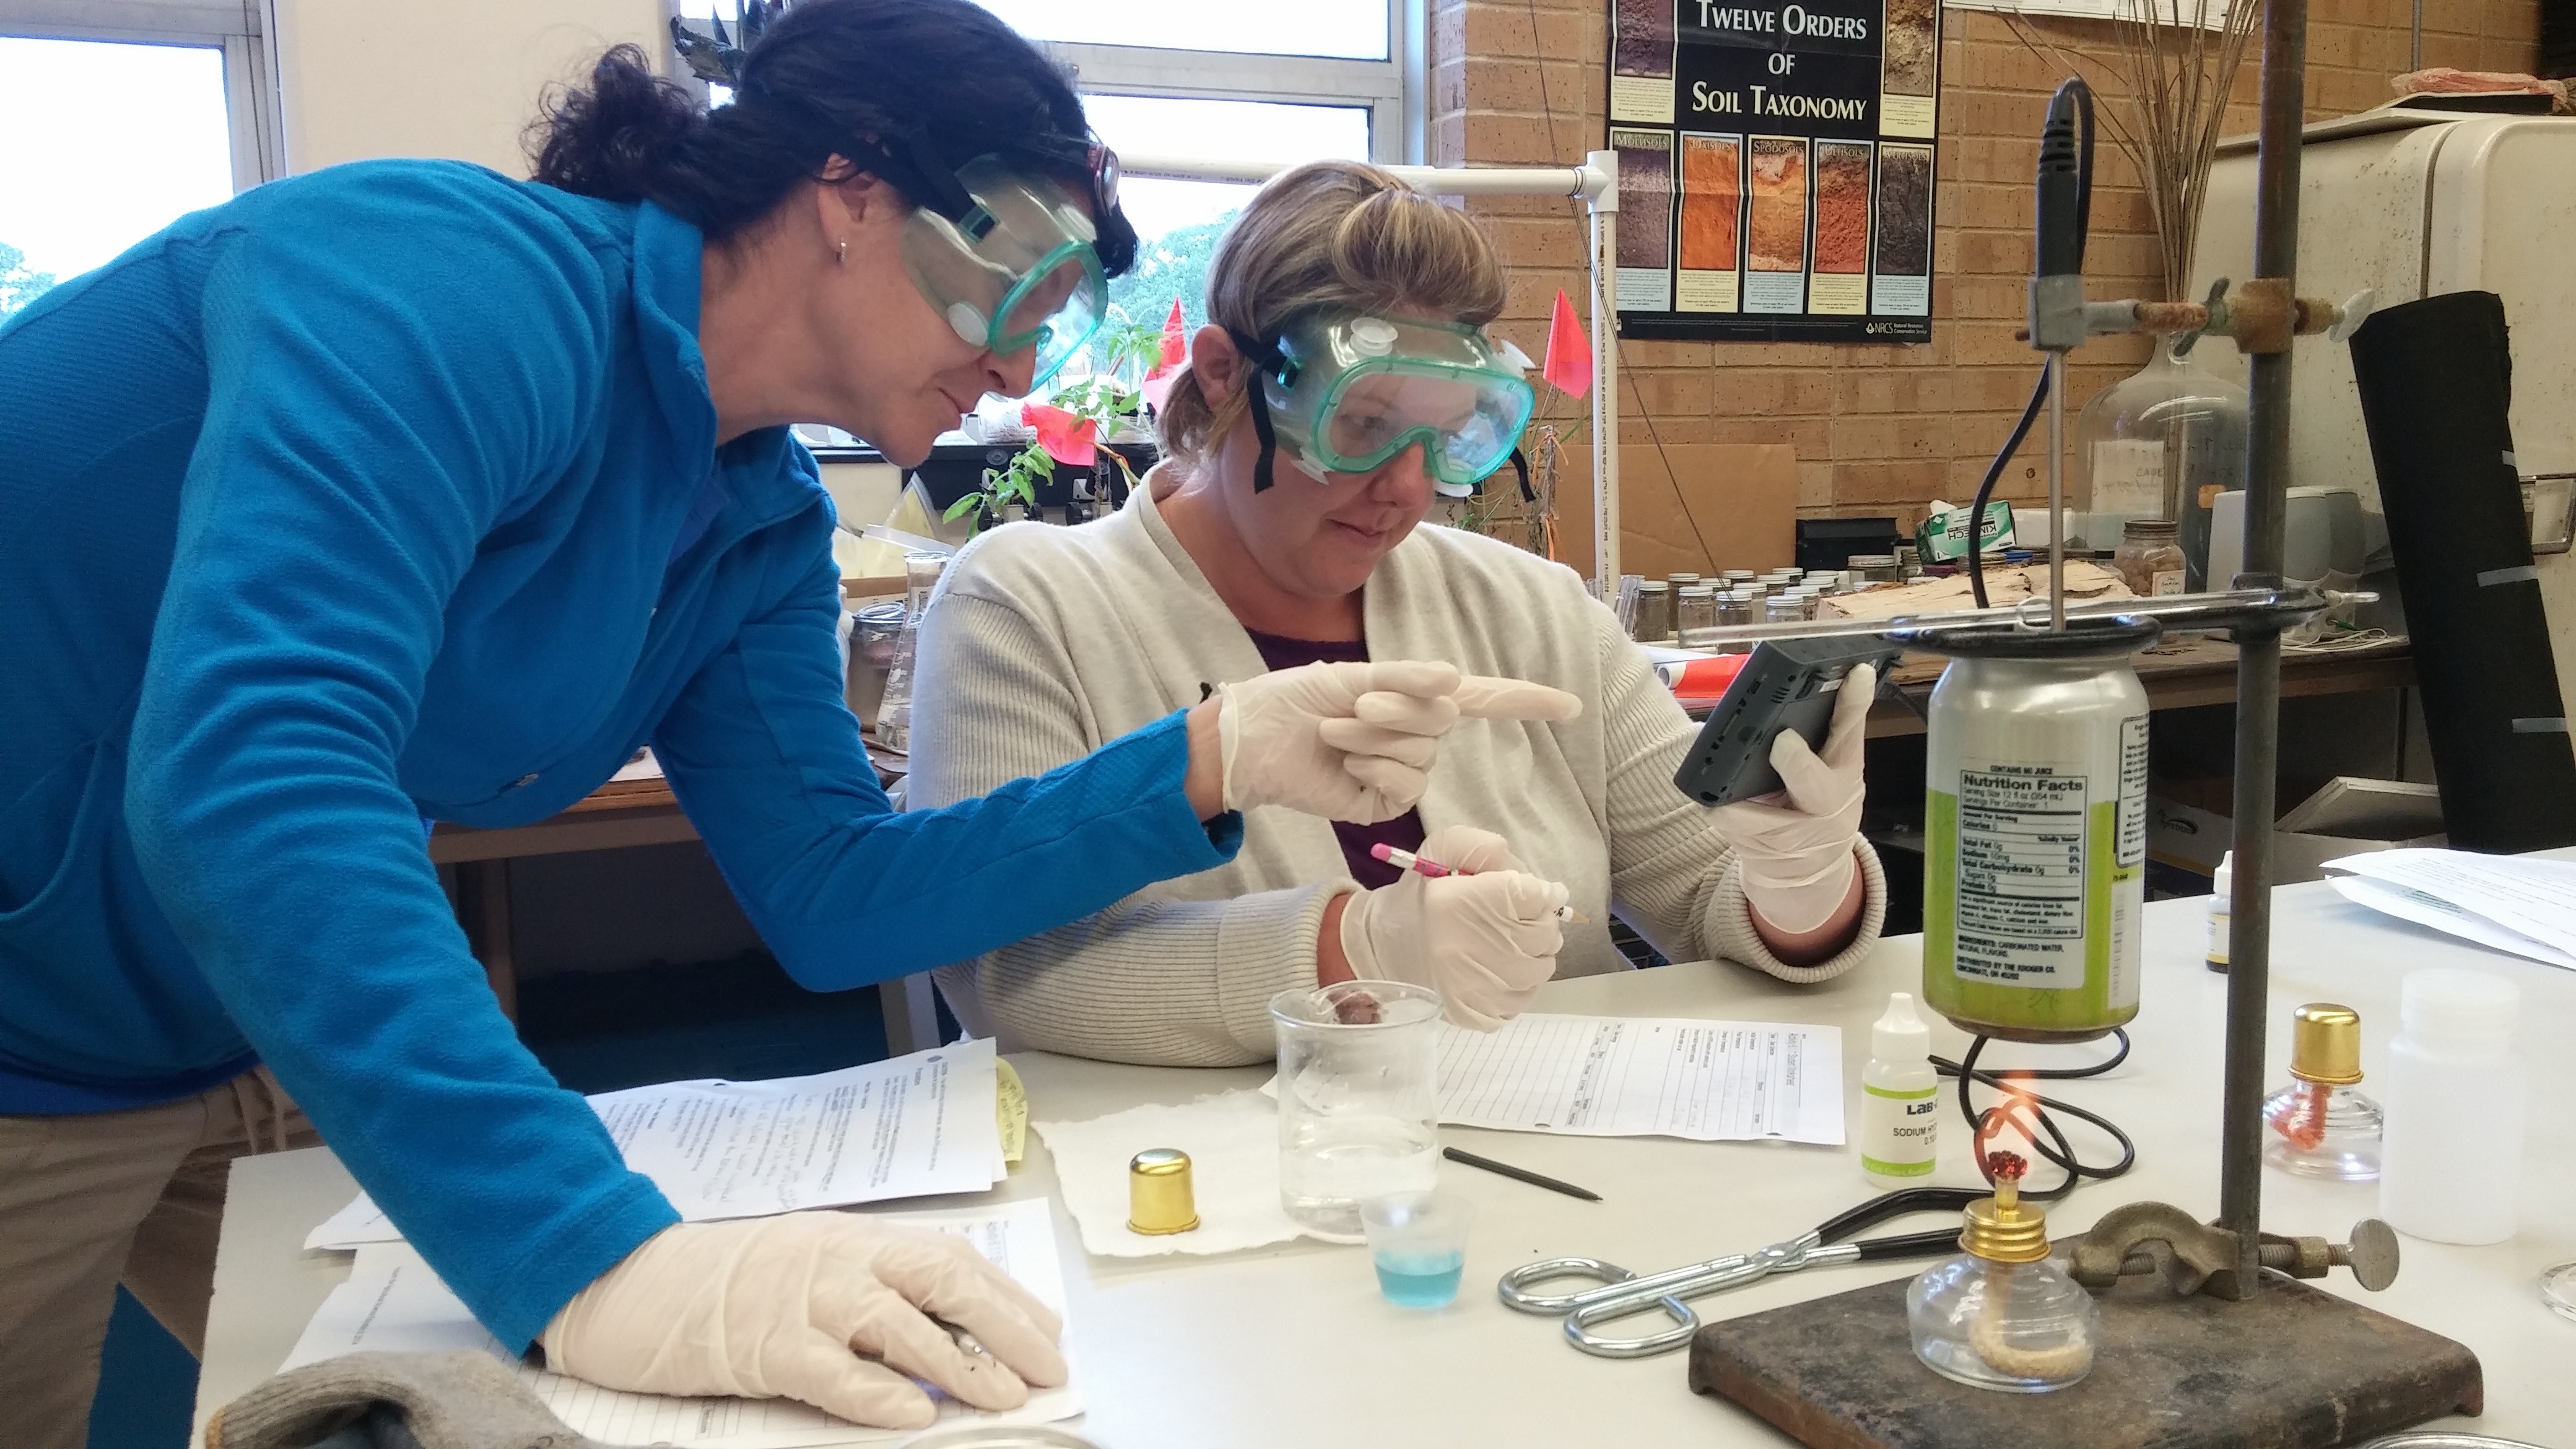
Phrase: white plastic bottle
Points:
(2451, 1158)
(1900, 1099)
(2221, 882)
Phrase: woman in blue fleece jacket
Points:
(403, 491)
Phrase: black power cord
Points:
(2030, 1111)
(2064, 220)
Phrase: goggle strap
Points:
(1263, 356)
(1520, 464)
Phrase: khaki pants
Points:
(87, 1202)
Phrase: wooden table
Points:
(476, 866)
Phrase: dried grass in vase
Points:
(2178, 61)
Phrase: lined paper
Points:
(1609, 1076)
(913, 1126)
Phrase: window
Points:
(1228, 82)
(146, 109)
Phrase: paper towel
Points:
(1233, 1143)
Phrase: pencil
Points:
(1522, 1173)
(1424, 866)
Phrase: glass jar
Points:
(2320, 1125)
(1878, 568)
(2003, 1315)
(1681, 582)
(1694, 612)
(2150, 559)
(1909, 562)
(2162, 443)
(1781, 609)
(1735, 607)
(1359, 1100)
(1736, 578)
(1654, 620)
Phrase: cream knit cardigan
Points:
(1044, 643)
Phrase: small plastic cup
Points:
(1418, 1242)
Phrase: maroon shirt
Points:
(1404, 832)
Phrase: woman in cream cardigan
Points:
(1241, 555)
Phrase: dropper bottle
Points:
(1900, 1099)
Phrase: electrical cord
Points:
(2082, 95)
(2029, 1111)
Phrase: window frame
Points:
(1393, 90)
(244, 30)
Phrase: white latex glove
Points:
(1355, 741)
(797, 1306)
(1485, 939)
(1797, 846)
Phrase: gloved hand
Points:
(1484, 940)
(1796, 847)
(784, 1307)
(1355, 741)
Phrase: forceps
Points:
(1623, 1293)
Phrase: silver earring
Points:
(843, 254)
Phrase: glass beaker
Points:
(1359, 1099)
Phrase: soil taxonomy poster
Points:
(1775, 167)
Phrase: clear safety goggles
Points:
(1015, 270)
(1345, 394)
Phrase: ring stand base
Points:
(2291, 1368)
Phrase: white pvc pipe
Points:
(1596, 182)
(1605, 380)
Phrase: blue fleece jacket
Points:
(367, 497)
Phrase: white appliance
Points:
(2415, 203)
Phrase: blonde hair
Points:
(1331, 236)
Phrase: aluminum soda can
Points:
(2035, 816)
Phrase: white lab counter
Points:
(1292, 1346)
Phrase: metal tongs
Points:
(1624, 1294)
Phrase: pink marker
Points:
(1407, 860)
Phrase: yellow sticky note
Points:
(1011, 1108)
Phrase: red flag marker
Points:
(1176, 350)
(1069, 440)
(1569, 352)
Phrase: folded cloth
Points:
(461, 1400)
(1233, 1143)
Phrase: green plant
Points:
(1111, 395)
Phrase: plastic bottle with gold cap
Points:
(2321, 1125)
(2003, 1315)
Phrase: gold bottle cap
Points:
(2325, 1044)
(2003, 1228)
(1159, 1197)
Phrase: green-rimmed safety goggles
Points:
(1015, 270)
(1343, 394)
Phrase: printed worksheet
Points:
(2510, 903)
(1609, 1076)
(393, 1303)
(909, 1127)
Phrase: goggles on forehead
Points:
(1345, 394)
(1010, 260)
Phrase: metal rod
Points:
(2415, 42)
(1605, 394)
(2056, 494)
(2258, 658)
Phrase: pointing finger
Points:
(1483, 696)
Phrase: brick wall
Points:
(1878, 429)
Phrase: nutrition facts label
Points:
(2022, 874)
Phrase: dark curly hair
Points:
(877, 82)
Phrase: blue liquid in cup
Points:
(1420, 1280)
